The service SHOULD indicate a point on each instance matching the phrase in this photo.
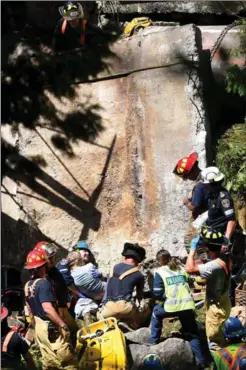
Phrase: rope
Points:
(220, 39)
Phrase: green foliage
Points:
(231, 159)
(236, 75)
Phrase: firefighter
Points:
(123, 279)
(234, 354)
(58, 283)
(217, 273)
(197, 200)
(171, 287)
(187, 168)
(13, 346)
(51, 332)
(72, 31)
(221, 212)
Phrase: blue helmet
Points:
(81, 245)
(233, 328)
(242, 364)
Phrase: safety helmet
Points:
(233, 328)
(134, 250)
(71, 10)
(47, 248)
(211, 236)
(4, 312)
(184, 165)
(79, 246)
(211, 174)
(35, 259)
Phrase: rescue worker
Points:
(221, 213)
(58, 283)
(51, 332)
(187, 168)
(123, 279)
(171, 287)
(229, 357)
(73, 31)
(13, 346)
(196, 201)
(217, 273)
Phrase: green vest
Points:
(224, 358)
(178, 294)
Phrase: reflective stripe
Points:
(226, 356)
(178, 301)
(241, 353)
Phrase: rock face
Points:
(110, 180)
(173, 353)
(150, 7)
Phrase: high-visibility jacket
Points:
(82, 35)
(228, 358)
(177, 291)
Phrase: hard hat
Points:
(79, 246)
(233, 328)
(4, 312)
(71, 10)
(35, 259)
(134, 250)
(211, 236)
(211, 174)
(184, 165)
(48, 248)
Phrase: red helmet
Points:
(35, 259)
(4, 312)
(184, 165)
(47, 248)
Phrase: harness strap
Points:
(30, 289)
(226, 356)
(241, 352)
(226, 268)
(7, 340)
(82, 35)
(129, 272)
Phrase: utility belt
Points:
(119, 298)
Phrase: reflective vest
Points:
(229, 358)
(82, 35)
(178, 294)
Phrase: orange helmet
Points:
(45, 247)
(184, 165)
(35, 259)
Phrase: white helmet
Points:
(211, 174)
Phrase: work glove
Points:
(194, 243)
(65, 332)
(96, 273)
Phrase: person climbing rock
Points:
(232, 356)
(217, 272)
(221, 212)
(58, 283)
(171, 287)
(124, 278)
(13, 346)
(187, 168)
(51, 332)
(73, 31)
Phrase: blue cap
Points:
(233, 328)
(81, 245)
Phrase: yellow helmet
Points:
(211, 236)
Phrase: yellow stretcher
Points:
(101, 346)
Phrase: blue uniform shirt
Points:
(220, 210)
(16, 348)
(42, 293)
